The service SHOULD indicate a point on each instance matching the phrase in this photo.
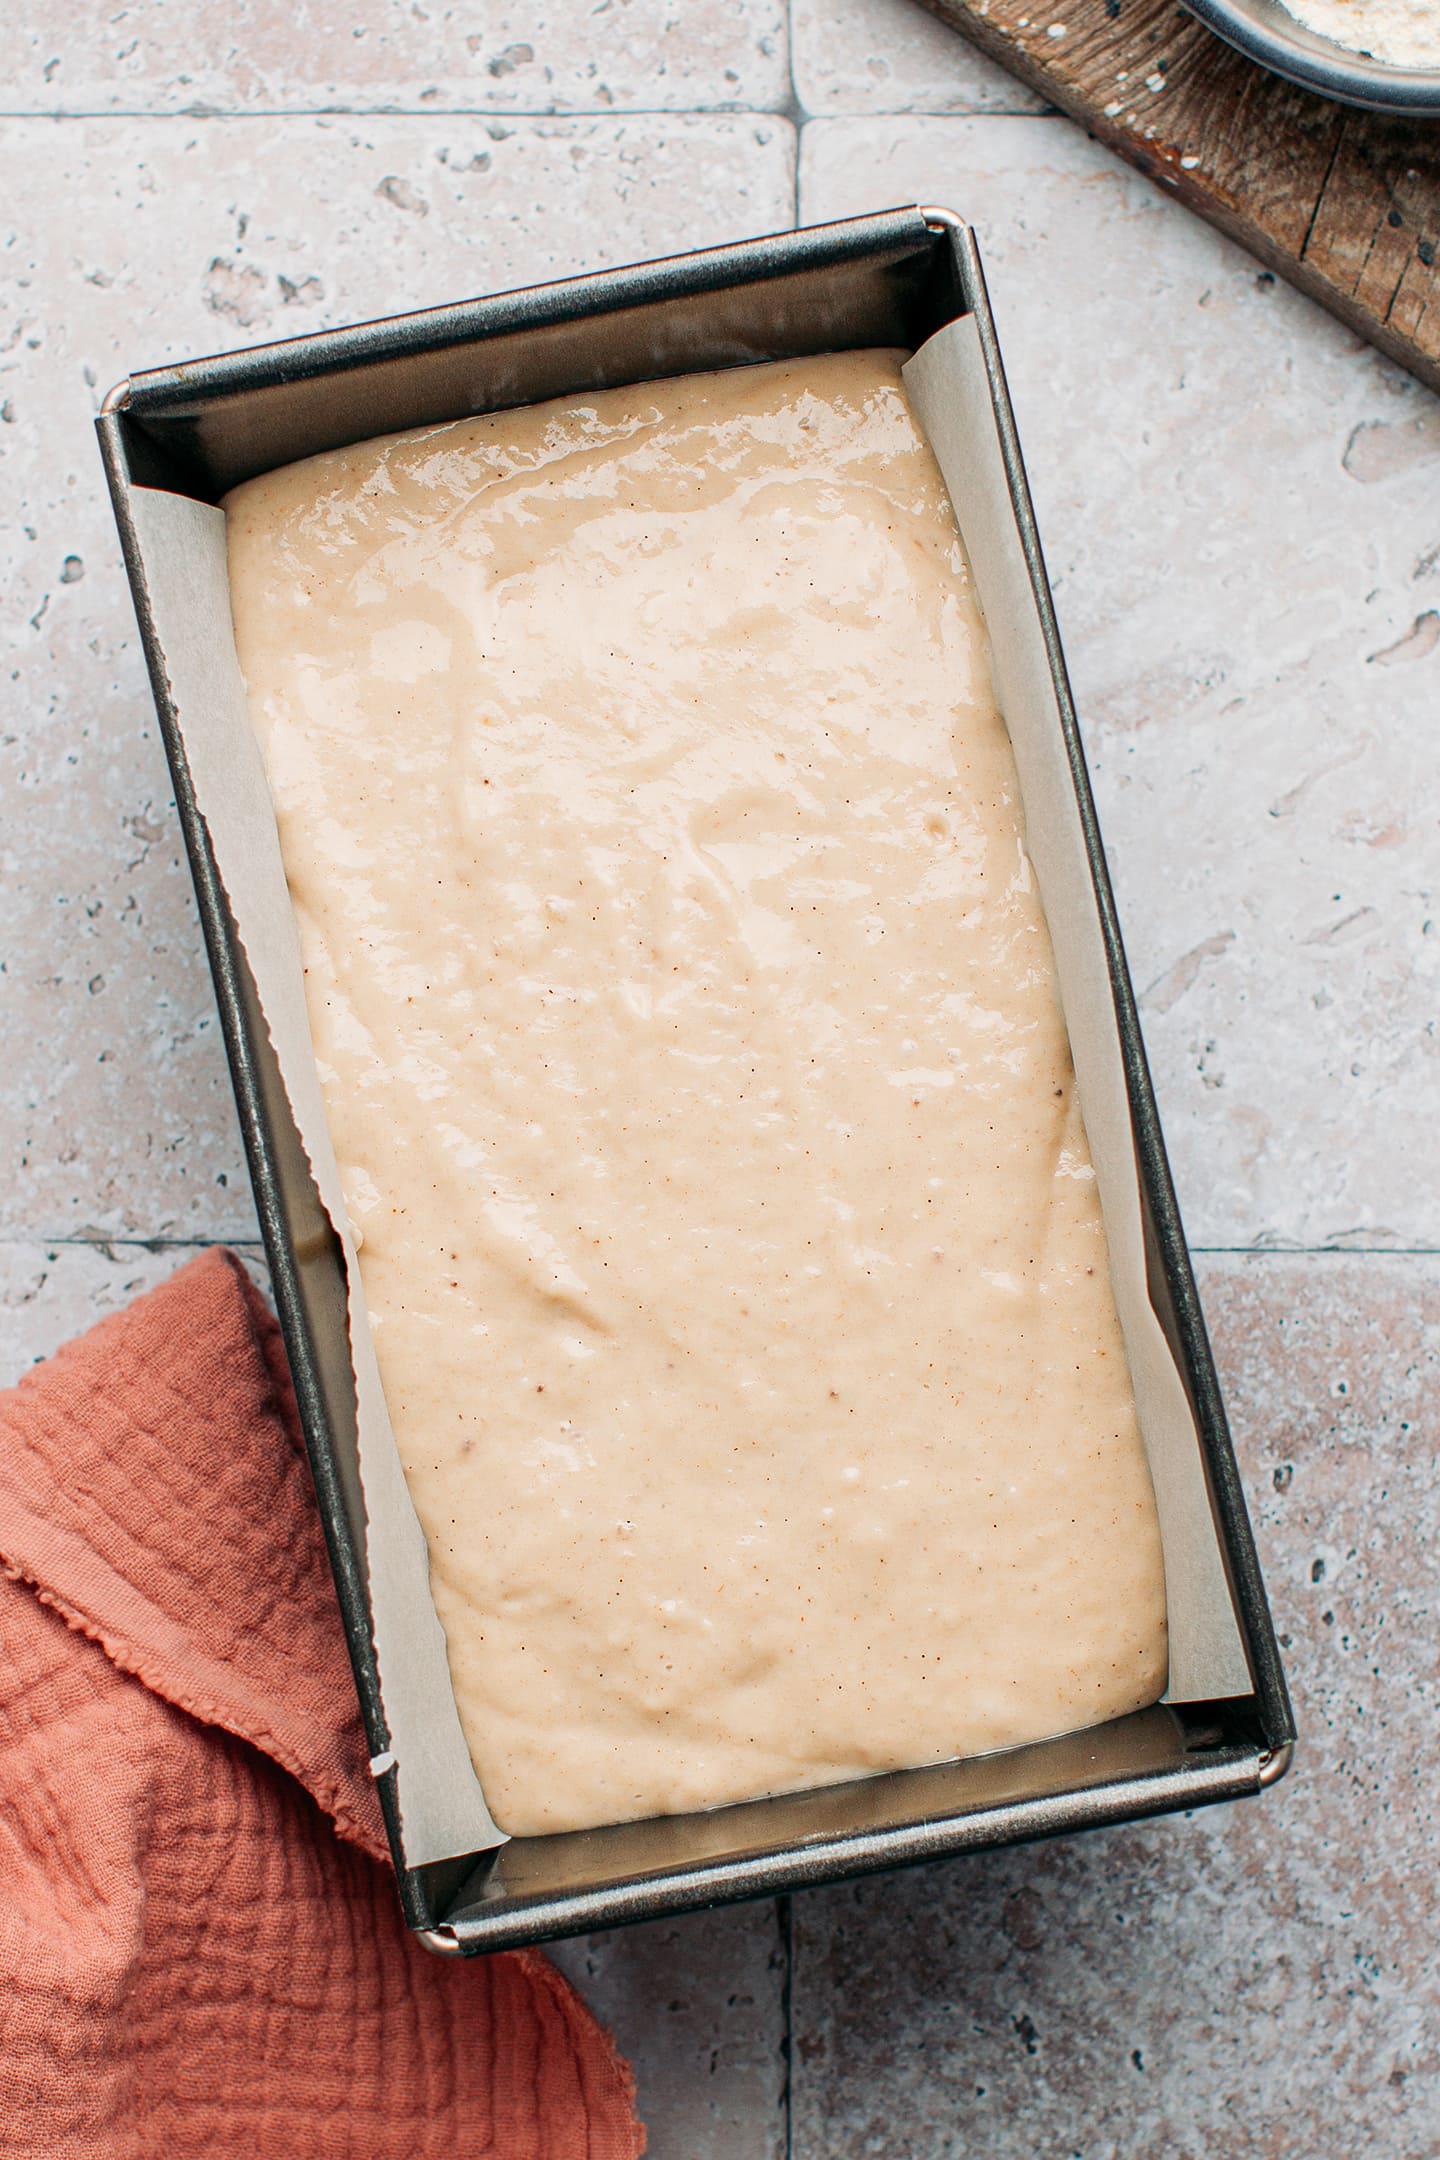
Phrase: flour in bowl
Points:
(1404, 33)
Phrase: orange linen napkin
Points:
(192, 1962)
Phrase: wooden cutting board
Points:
(1344, 204)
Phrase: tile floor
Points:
(1241, 509)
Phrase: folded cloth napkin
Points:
(192, 1961)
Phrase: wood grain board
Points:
(1342, 203)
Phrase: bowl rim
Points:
(1262, 30)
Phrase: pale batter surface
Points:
(688, 1026)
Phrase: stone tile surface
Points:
(1257, 1981)
(697, 2007)
(488, 55)
(115, 1110)
(51, 1293)
(1241, 508)
(871, 56)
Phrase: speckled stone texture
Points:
(117, 1117)
(699, 2004)
(887, 56)
(1240, 504)
(529, 56)
(1241, 511)
(51, 1293)
(1258, 1981)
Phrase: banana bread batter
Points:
(688, 1027)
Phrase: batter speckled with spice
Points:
(688, 1027)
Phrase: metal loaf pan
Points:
(198, 428)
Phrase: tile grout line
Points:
(129, 1241)
(197, 113)
(799, 116)
(105, 1239)
(1315, 1252)
(795, 113)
